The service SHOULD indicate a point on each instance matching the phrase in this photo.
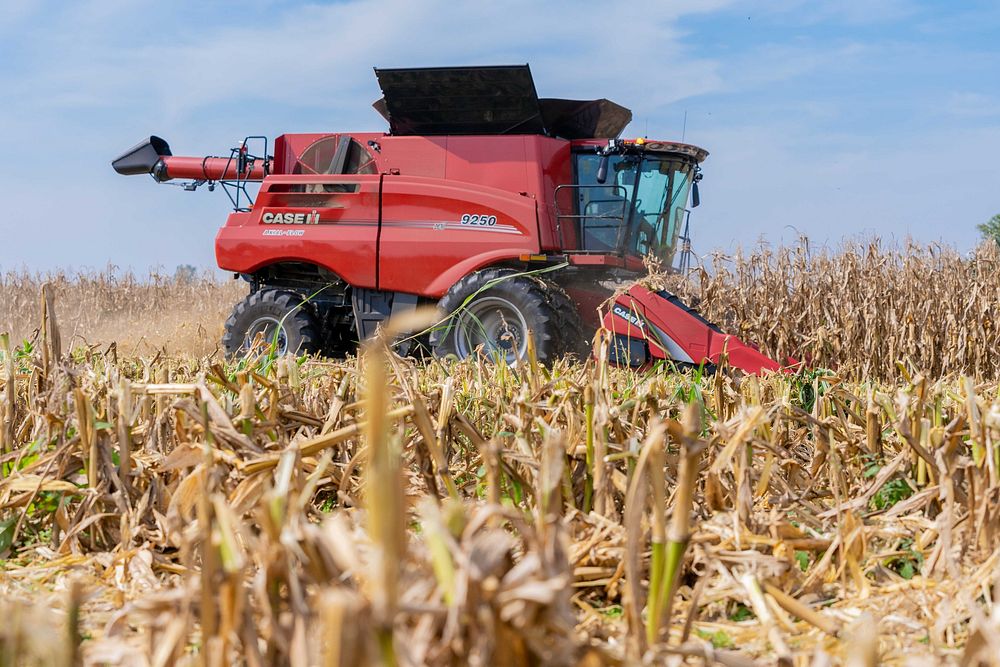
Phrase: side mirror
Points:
(695, 197)
(602, 170)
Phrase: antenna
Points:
(646, 133)
(685, 126)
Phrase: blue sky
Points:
(833, 119)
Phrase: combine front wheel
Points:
(275, 317)
(574, 337)
(495, 310)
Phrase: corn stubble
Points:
(382, 511)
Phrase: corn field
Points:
(139, 316)
(166, 508)
(862, 308)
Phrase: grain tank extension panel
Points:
(488, 101)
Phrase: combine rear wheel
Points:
(495, 310)
(272, 316)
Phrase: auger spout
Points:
(153, 156)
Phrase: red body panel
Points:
(338, 230)
(434, 231)
(447, 206)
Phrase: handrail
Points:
(577, 216)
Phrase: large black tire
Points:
(493, 310)
(573, 337)
(264, 311)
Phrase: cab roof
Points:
(646, 145)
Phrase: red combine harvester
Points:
(517, 215)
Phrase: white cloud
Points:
(764, 185)
(91, 78)
(323, 54)
(96, 76)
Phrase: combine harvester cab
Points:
(517, 216)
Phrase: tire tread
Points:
(301, 323)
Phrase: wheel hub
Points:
(494, 325)
(271, 330)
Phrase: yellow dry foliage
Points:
(862, 307)
(165, 508)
